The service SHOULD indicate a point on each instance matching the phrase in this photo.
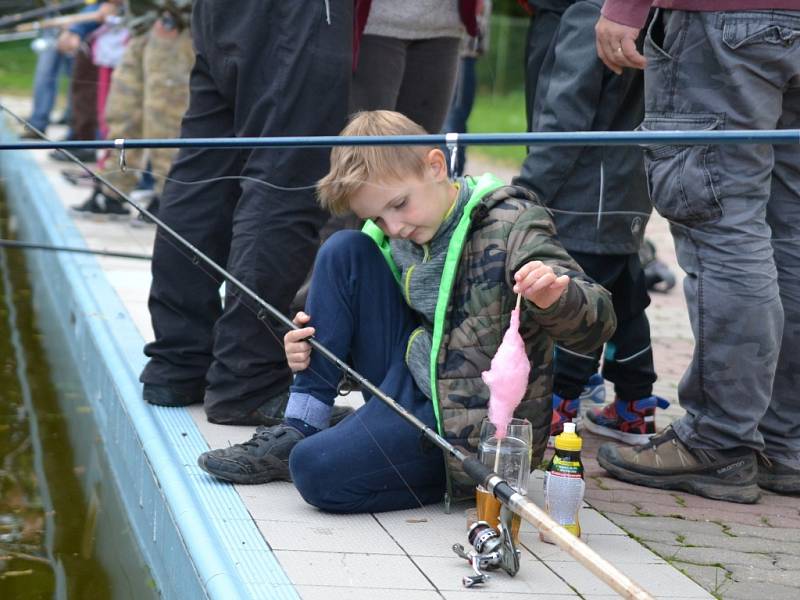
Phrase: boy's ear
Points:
(437, 162)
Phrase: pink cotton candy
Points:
(508, 377)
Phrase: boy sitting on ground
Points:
(419, 306)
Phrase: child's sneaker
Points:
(630, 422)
(564, 411)
(595, 390)
(101, 207)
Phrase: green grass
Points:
(499, 114)
(17, 64)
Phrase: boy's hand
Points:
(538, 283)
(298, 351)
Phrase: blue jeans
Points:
(50, 64)
(734, 211)
(373, 460)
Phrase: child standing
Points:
(418, 305)
(601, 207)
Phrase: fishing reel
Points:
(493, 549)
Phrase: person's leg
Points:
(184, 297)
(378, 74)
(374, 460)
(83, 89)
(168, 64)
(427, 86)
(628, 363)
(45, 85)
(295, 84)
(707, 72)
(780, 425)
(628, 360)
(360, 315)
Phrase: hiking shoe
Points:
(667, 463)
(630, 422)
(174, 395)
(564, 411)
(594, 390)
(101, 207)
(261, 459)
(777, 477)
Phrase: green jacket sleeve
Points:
(583, 318)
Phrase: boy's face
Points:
(411, 208)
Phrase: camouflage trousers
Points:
(735, 218)
(149, 94)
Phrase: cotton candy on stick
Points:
(507, 379)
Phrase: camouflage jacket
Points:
(501, 229)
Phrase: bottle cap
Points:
(569, 440)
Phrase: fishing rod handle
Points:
(578, 549)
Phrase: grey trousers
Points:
(413, 77)
(735, 218)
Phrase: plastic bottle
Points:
(563, 481)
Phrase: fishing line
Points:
(239, 288)
(577, 213)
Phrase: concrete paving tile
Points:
(743, 590)
(364, 535)
(715, 579)
(617, 549)
(788, 534)
(329, 592)
(712, 555)
(788, 562)
(593, 522)
(753, 573)
(533, 577)
(666, 524)
(661, 580)
(426, 532)
(486, 593)
(352, 570)
(614, 508)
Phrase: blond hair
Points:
(353, 166)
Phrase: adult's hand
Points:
(616, 46)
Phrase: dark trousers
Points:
(373, 460)
(629, 356)
(263, 68)
(83, 95)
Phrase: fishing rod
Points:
(17, 244)
(451, 140)
(35, 13)
(505, 554)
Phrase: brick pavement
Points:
(734, 551)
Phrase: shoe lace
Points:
(264, 434)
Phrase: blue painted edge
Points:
(212, 527)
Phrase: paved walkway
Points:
(734, 551)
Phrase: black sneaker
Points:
(261, 459)
(174, 395)
(100, 206)
(777, 477)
